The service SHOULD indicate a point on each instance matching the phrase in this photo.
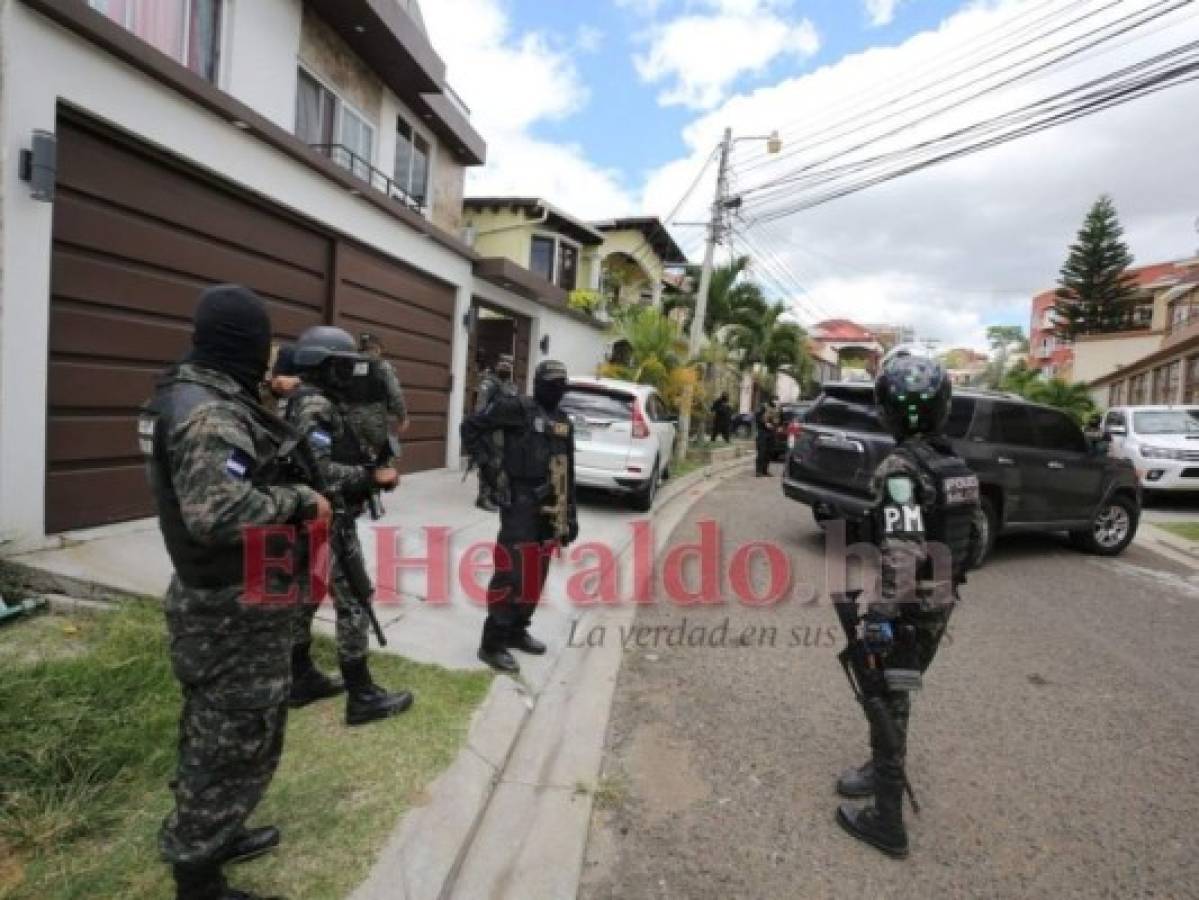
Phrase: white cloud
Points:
(512, 81)
(881, 12)
(965, 244)
(588, 39)
(700, 54)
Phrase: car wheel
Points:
(985, 531)
(1114, 527)
(643, 500)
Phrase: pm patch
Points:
(239, 464)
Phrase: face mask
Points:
(549, 393)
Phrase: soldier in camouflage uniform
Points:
(211, 458)
(927, 503)
(379, 419)
(320, 410)
(491, 385)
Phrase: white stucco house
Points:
(312, 150)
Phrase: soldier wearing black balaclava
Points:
(210, 450)
(533, 478)
(927, 501)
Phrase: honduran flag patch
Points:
(238, 464)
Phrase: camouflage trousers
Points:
(353, 627)
(233, 664)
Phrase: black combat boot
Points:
(365, 700)
(880, 825)
(857, 784)
(493, 648)
(205, 882)
(521, 640)
(308, 683)
(251, 843)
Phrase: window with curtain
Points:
(316, 111)
(412, 162)
(358, 136)
(188, 31)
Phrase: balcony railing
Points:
(362, 170)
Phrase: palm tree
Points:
(1074, 399)
(651, 344)
(761, 340)
(728, 292)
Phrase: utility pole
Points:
(696, 332)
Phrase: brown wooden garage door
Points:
(412, 316)
(136, 238)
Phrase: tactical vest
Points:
(950, 519)
(527, 452)
(198, 565)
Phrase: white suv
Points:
(623, 437)
(1161, 441)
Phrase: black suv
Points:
(1036, 469)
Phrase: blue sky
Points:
(610, 107)
(612, 123)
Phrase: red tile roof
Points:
(840, 330)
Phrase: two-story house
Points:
(532, 251)
(312, 150)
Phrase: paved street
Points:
(1052, 748)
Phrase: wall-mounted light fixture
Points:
(39, 166)
(544, 344)
(470, 317)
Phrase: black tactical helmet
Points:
(322, 342)
(913, 395)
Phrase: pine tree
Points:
(1095, 292)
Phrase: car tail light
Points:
(640, 426)
(794, 430)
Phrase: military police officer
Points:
(491, 385)
(766, 421)
(927, 503)
(336, 377)
(211, 457)
(533, 476)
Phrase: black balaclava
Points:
(549, 384)
(232, 334)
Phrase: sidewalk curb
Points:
(426, 852)
(1159, 540)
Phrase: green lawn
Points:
(88, 712)
(1187, 530)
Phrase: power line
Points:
(1127, 24)
(1037, 116)
(904, 89)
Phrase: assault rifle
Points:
(864, 670)
(343, 543)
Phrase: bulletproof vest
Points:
(198, 565)
(527, 452)
(950, 518)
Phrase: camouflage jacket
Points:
(374, 421)
(341, 451)
(231, 653)
(212, 455)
